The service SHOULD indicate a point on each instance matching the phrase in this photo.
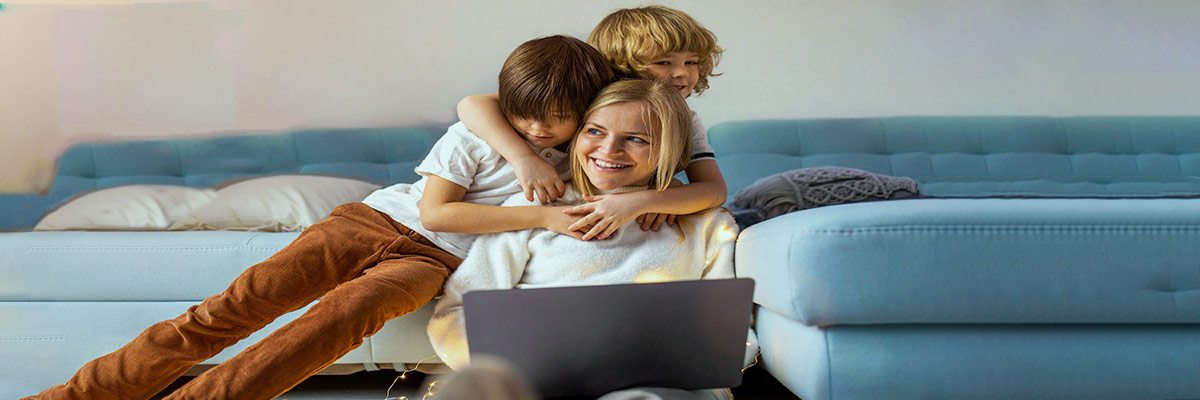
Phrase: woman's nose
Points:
(611, 146)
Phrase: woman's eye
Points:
(593, 131)
(636, 139)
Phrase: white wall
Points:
(71, 73)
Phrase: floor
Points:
(756, 385)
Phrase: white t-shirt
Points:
(463, 158)
(701, 150)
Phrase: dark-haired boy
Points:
(368, 262)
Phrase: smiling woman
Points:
(635, 136)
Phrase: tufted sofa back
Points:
(978, 156)
(379, 155)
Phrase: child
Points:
(368, 262)
(636, 135)
(651, 42)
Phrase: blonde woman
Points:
(634, 137)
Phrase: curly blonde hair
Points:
(630, 35)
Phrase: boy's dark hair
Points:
(555, 74)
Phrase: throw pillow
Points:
(806, 188)
(132, 207)
(280, 203)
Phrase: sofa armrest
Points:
(21, 211)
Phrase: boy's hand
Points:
(604, 213)
(538, 177)
(653, 221)
(558, 220)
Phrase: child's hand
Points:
(557, 220)
(604, 213)
(538, 177)
(653, 221)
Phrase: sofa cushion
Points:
(1035, 361)
(128, 266)
(994, 154)
(979, 261)
(383, 156)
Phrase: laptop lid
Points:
(590, 340)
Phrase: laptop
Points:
(591, 340)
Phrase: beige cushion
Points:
(133, 207)
(280, 203)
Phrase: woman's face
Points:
(616, 148)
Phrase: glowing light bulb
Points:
(429, 391)
(650, 276)
(726, 233)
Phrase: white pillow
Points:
(133, 207)
(280, 203)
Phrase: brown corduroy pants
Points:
(365, 267)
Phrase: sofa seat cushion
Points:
(1001, 362)
(979, 261)
(128, 266)
(1062, 187)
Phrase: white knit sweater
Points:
(542, 258)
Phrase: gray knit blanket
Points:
(806, 188)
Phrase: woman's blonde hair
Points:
(665, 114)
(630, 35)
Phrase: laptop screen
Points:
(590, 340)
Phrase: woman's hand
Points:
(538, 177)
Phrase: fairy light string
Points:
(404, 375)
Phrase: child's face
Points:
(555, 130)
(616, 147)
(679, 69)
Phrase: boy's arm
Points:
(442, 209)
(482, 116)
(606, 213)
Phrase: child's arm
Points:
(442, 209)
(481, 114)
(606, 213)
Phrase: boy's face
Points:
(681, 70)
(555, 130)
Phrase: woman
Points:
(635, 136)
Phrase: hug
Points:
(618, 141)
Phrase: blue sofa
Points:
(67, 297)
(1055, 258)
(1058, 266)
